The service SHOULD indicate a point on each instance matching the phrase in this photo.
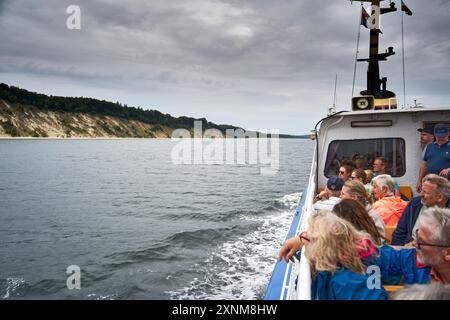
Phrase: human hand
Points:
(411, 244)
(419, 187)
(444, 172)
(289, 248)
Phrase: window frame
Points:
(395, 140)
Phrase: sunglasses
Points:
(302, 236)
(419, 244)
(351, 178)
(341, 172)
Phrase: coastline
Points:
(111, 138)
(77, 138)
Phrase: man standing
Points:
(437, 157)
(426, 137)
(435, 192)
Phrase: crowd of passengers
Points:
(348, 241)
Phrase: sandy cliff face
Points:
(27, 121)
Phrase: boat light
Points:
(371, 123)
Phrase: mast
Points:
(375, 86)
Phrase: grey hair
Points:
(435, 291)
(442, 184)
(385, 180)
(437, 220)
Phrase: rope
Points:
(403, 63)
(357, 49)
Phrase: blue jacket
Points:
(403, 233)
(401, 263)
(344, 285)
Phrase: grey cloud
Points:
(210, 55)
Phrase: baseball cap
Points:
(440, 130)
(335, 183)
(429, 130)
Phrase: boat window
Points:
(362, 153)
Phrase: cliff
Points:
(17, 120)
(29, 114)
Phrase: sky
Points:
(257, 64)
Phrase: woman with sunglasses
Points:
(331, 253)
(334, 249)
(345, 171)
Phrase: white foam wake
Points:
(12, 286)
(241, 269)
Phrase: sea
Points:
(118, 219)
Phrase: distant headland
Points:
(28, 114)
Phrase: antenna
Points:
(332, 110)
(376, 86)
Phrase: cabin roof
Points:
(394, 111)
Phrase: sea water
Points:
(137, 225)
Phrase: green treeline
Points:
(101, 108)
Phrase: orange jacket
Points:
(390, 209)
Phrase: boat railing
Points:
(301, 275)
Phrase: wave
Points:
(11, 287)
(241, 269)
(169, 248)
(287, 202)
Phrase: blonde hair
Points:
(334, 243)
(357, 189)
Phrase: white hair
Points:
(385, 180)
(437, 220)
(434, 291)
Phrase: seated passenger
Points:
(356, 191)
(380, 168)
(332, 246)
(435, 192)
(330, 196)
(435, 291)
(345, 171)
(389, 207)
(369, 174)
(432, 246)
(361, 176)
(360, 162)
(355, 213)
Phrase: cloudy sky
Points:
(258, 64)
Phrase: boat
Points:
(374, 127)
